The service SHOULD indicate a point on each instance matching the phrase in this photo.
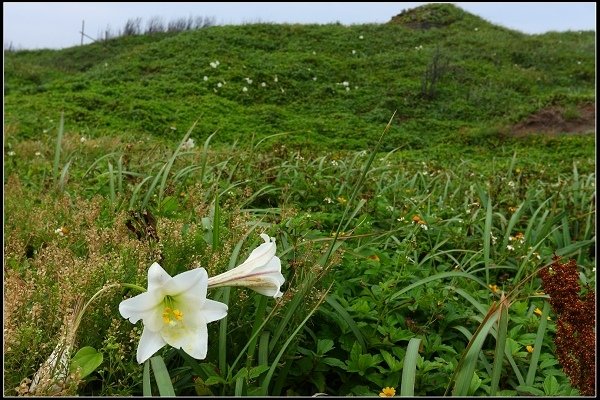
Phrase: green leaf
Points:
(257, 371)
(551, 386)
(529, 391)
(214, 380)
(475, 383)
(202, 388)
(324, 345)
(391, 361)
(334, 362)
(88, 359)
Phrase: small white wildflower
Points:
(37, 153)
(60, 231)
(390, 208)
(172, 128)
(328, 200)
(346, 83)
(347, 89)
(263, 84)
(314, 78)
(423, 226)
(205, 77)
(244, 89)
(400, 219)
(219, 84)
(11, 153)
(45, 131)
(511, 184)
(510, 247)
(361, 37)
(476, 29)
(83, 139)
(249, 81)
(188, 144)
(334, 162)
(353, 51)
(494, 238)
(213, 64)
(578, 62)
(275, 79)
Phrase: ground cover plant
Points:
(418, 222)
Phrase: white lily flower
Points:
(174, 311)
(260, 272)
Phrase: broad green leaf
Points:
(88, 359)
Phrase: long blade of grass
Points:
(239, 386)
(500, 347)
(161, 375)
(409, 370)
(274, 364)
(216, 223)
(134, 194)
(466, 367)
(63, 176)
(537, 346)
(331, 300)
(146, 387)
(96, 162)
(435, 277)
(258, 318)
(111, 185)
(480, 307)
(205, 157)
(163, 183)
(263, 349)
(57, 149)
(487, 236)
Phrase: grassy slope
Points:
(149, 84)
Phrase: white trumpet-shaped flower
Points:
(174, 311)
(260, 272)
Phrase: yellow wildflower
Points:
(494, 288)
(387, 392)
(530, 348)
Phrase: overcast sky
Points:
(57, 25)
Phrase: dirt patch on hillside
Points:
(553, 120)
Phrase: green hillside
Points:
(331, 84)
(419, 257)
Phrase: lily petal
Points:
(157, 277)
(194, 342)
(260, 255)
(150, 343)
(214, 310)
(137, 307)
(185, 281)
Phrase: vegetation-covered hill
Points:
(400, 262)
(451, 76)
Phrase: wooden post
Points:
(82, 27)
